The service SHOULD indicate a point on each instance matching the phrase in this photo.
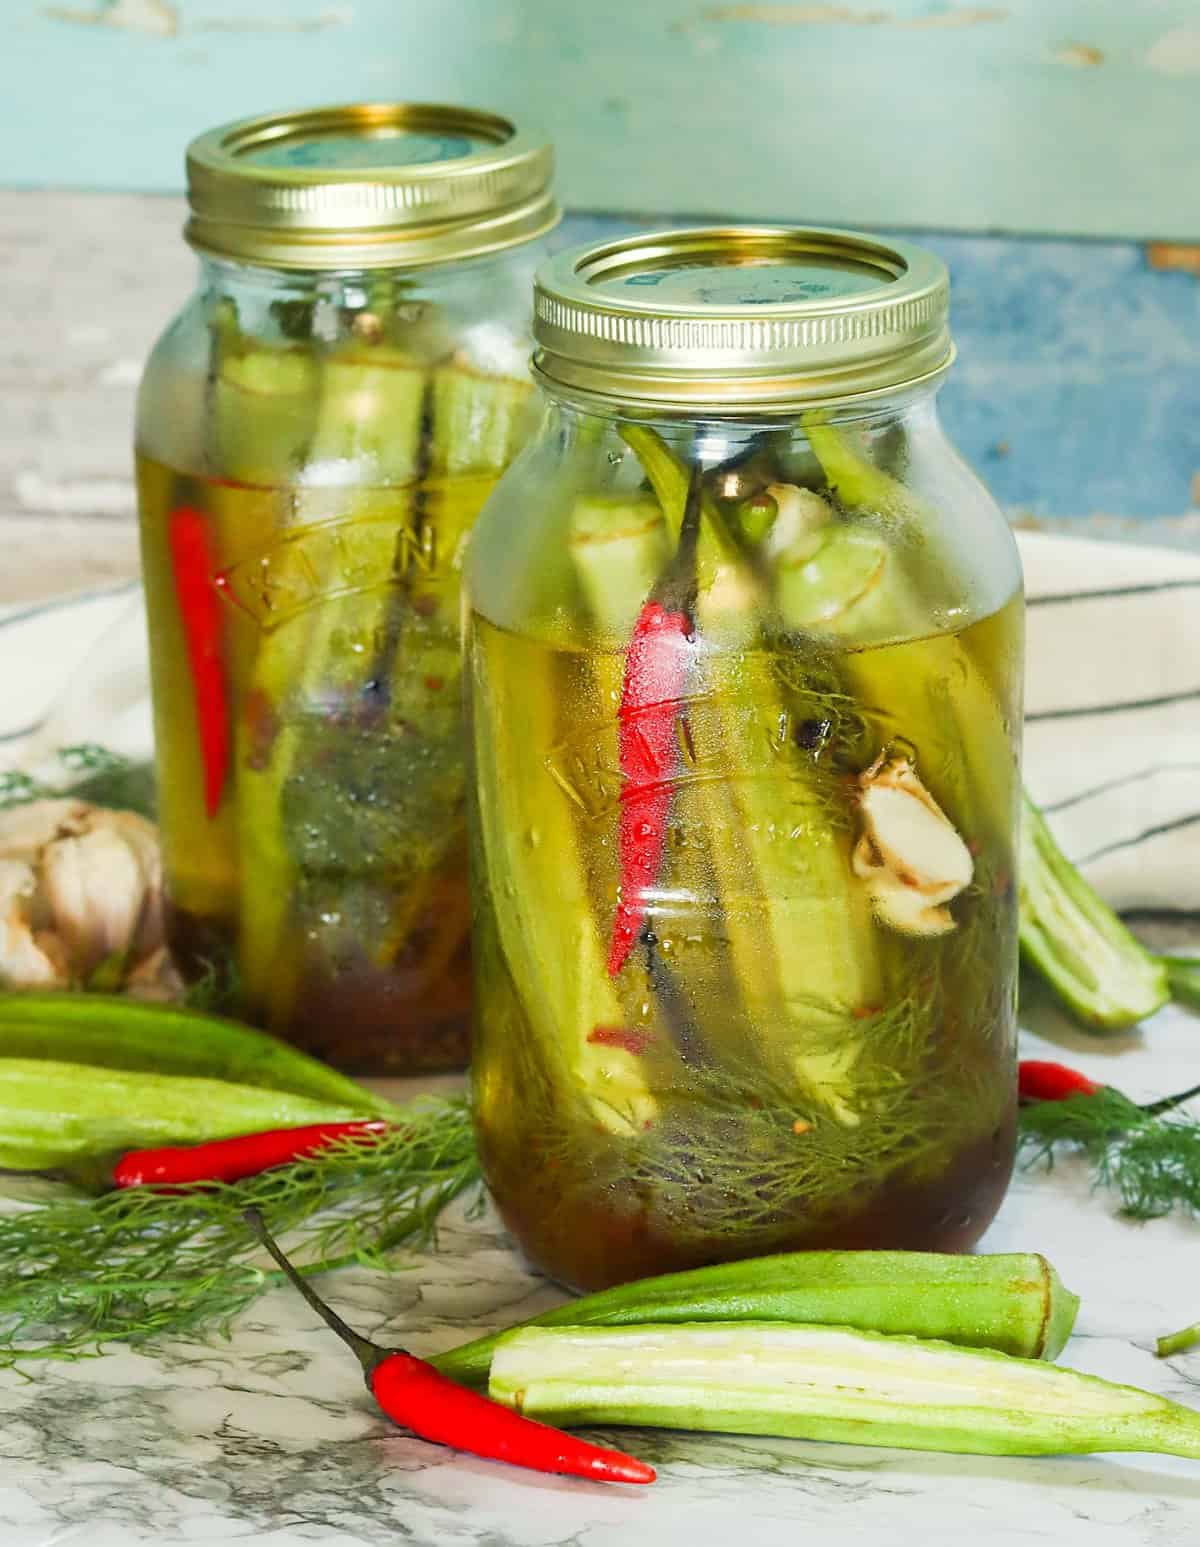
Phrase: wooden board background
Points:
(1075, 117)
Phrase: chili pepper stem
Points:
(677, 586)
(1040, 1081)
(370, 1355)
(1169, 1103)
(413, 1393)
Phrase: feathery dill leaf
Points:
(90, 773)
(1151, 1162)
(148, 1263)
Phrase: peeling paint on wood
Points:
(1082, 55)
(1177, 52)
(162, 19)
(1044, 116)
(1183, 257)
(157, 17)
(844, 15)
(321, 22)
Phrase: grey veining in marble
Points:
(273, 1439)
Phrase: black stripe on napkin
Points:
(23, 731)
(1099, 710)
(58, 603)
(1117, 784)
(1113, 593)
(1149, 832)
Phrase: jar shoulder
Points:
(318, 364)
(859, 532)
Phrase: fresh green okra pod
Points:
(1012, 1302)
(1183, 978)
(829, 1383)
(1177, 1342)
(116, 1032)
(1076, 941)
(52, 1112)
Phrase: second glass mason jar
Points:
(316, 433)
(744, 659)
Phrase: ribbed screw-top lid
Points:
(756, 316)
(368, 185)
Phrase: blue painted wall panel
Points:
(1062, 116)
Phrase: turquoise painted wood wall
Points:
(1077, 117)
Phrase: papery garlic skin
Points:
(909, 853)
(26, 830)
(79, 885)
(23, 961)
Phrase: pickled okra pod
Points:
(737, 823)
(1014, 1303)
(262, 399)
(820, 929)
(431, 443)
(864, 567)
(829, 1383)
(819, 932)
(554, 953)
(369, 412)
(1068, 933)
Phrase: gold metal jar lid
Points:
(367, 185)
(729, 317)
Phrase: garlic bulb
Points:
(80, 886)
(910, 855)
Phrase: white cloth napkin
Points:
(1112, 728)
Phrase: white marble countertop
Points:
(271, 1438)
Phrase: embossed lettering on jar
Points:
(317, 432)
(744, 662)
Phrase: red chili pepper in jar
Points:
(193, 565)
(231, 1160)
(657, 662)
(419, 1397)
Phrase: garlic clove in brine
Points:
(909, 853)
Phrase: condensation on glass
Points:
(744, 660)
(317, 430)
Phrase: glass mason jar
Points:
(317, 430)
(744, 660)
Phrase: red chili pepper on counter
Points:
(1040, 1080)
(656, 669)
(422, 1399)
(229, 1160)
(193, 564)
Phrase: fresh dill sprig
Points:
(155, 1263)
(90, 773)
(216, 991)
(1151, 1161)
